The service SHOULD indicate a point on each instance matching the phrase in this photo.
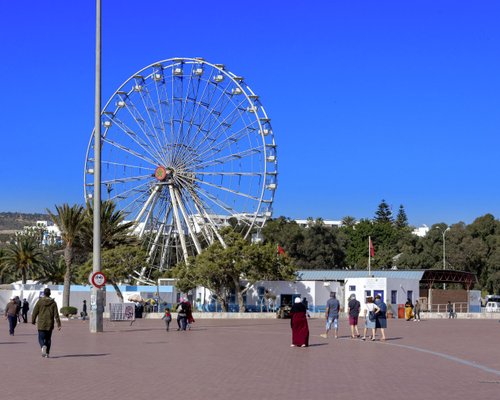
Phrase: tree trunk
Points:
(223, 305)
(23, 276)
(118, 291)
(68, 259)
(239, 294)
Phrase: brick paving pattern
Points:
(251, 359)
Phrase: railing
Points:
(457, 307)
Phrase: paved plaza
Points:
(252, 359)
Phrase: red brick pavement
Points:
(251, 359)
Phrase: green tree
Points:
(492, 274)
(348, 221)
(70, 221)
(383, 215)
(320, 248)
(115, 231)
(53, 266)
(401, 218)
(22, 255)
(314, 246)
(117, 264)
(236, 267)
(286, 233)
(208, 269)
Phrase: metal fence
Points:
(461, 307)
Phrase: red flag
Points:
(370, 246)
(281, 251)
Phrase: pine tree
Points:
(401, 218)
(383, 215)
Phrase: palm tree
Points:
(70, 221)
(348, 221)
(23, 255)
(115, 231)
(53, 267)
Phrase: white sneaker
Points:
(44, 351)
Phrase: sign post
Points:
(97, 295)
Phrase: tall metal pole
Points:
(97, 295)
(443, 232)
(444, 249)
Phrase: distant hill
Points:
(12, 221)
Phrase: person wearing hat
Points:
(353, 308)
(45, 311)
(11, 311)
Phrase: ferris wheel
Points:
(187, 148)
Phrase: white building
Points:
(327, 222)
(421, 231)
(394, 287)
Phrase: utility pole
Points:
(97, 294)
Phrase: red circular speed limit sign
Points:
(98, 279)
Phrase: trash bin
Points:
(401, 311)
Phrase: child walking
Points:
(167, 317)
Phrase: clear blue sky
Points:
(395, 100)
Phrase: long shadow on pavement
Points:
(13, 342)
(82, 355)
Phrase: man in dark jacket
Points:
(24, 309)
(46, 311)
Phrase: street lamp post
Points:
(443, 232)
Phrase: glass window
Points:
(394, 297)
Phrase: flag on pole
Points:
(281, 251)
(370, 246)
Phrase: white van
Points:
(493, 306)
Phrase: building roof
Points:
(343, 274)
(426, 277)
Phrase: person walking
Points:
(332, 315)
(24, 309)
(167, 317)
(19, 306)
(370, 317)
(381, 316)
(189, 315)
(353, 308)
(298, 323)
(45, 312)
(181, 316)
(11, 314)
(84, 310)
(408, 310)
(416, 310)
(306, 305)
(449, 308)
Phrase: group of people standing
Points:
(14, 311)
(184, 316)
(43, 316)
(375, 314)
(412, 312)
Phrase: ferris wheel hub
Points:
(162, 173)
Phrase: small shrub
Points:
(68, 311)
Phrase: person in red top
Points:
(298, 323)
